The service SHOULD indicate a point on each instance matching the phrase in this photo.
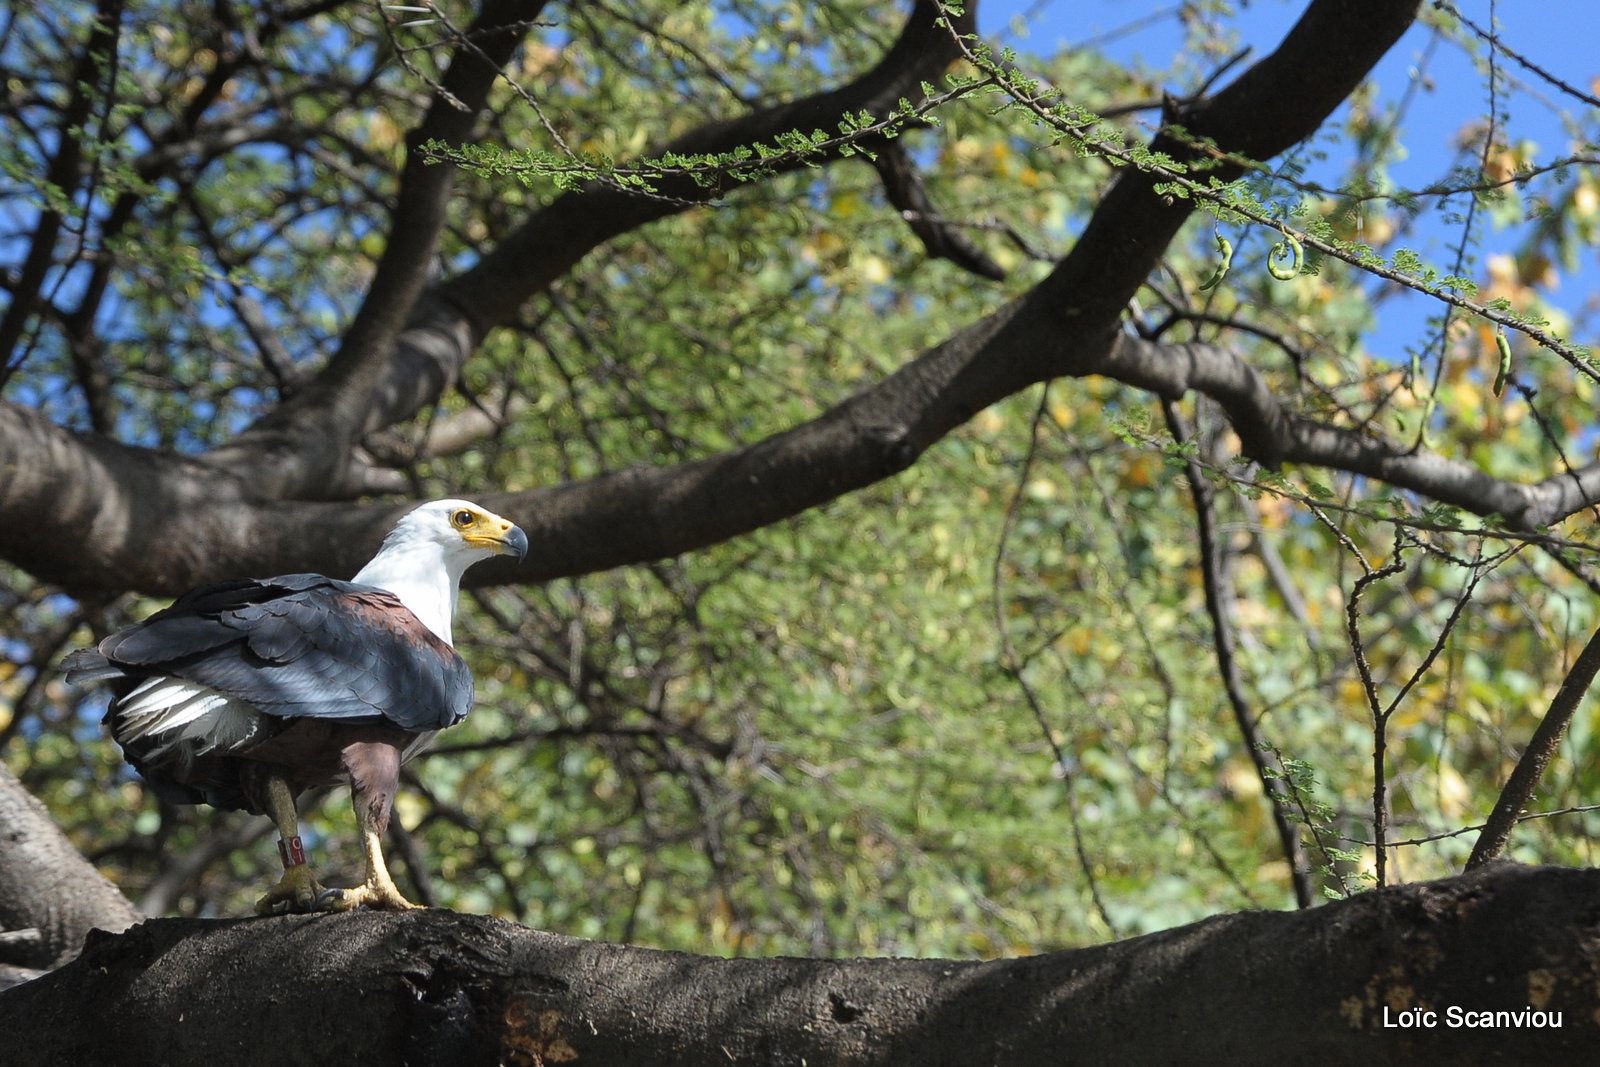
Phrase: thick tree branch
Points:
(1312, 986)
(545, 247)
(91, 514)
(1272, 106)
(47, 885)
(903, 186)
(557, 237)
(309, 437)
(1272, 435)
(114, 527)
(420, 209)
(1066, 325)
(303, 447)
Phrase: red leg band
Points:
(291, 851)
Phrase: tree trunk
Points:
(1326, 986)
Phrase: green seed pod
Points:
(1288, 248)
(1225, 247)
(1502, 343)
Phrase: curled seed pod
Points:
(1287, 249)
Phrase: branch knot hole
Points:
(893, 442)
(843, 1009)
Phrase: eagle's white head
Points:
(424, 556)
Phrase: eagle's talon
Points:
(371, 894)
(296, 891)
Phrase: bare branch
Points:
(1380, 717)
(163, 522)
(1273, 789)
(1273, 436)
(903, 186)
(1541, 748)
(313, 432)
(63, 174)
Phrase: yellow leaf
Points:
(874, 269)
(846, 204)
(1040, 489)
(1078, 640)
(1140, 472)
(1585, 201)
(1455, 796)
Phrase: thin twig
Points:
(1492, 38)
(1013, 665)
(1466, 239)
(1222, 637)
(1380, 717)
(1445, 835)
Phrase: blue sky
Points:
(1562, 36)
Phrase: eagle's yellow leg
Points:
(296, 890)
(378, 889)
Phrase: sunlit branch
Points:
(1273, 435)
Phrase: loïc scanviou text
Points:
(1456, 1016)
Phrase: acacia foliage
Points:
(972, 710)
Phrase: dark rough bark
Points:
(46, 885)
(1273, 434)
(309, 438)
(439, 988)
(92, 514)
(89, 513)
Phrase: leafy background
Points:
(975, 710)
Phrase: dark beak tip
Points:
(517, 542)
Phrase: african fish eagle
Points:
(245, 693)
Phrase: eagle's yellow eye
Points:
(462, 518)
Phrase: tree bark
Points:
(47, 886)
(436, 987)
(92, 514)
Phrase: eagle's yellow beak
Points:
(482, 529)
